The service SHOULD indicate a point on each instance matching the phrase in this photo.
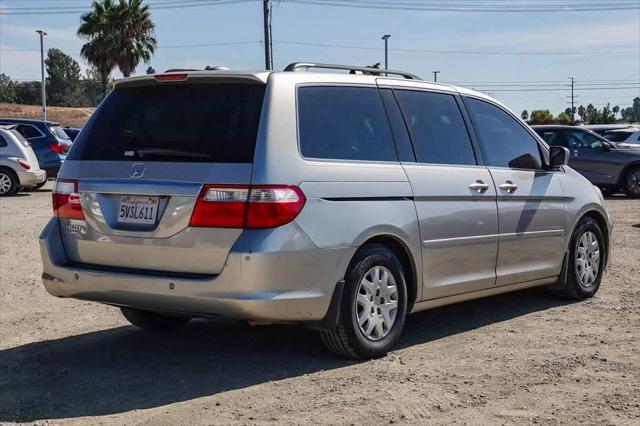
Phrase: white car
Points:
(629, 137)
(19, 166)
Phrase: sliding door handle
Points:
(478, 186)
(508, 186)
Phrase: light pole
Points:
(386, 50)
(44, 89)
(435, 76)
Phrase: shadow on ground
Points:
(122, 369)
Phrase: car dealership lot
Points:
(521, 357)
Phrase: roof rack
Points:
(304, 66)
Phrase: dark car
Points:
(604, 163)
(47, 139)
(72, 132)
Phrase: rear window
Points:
(58, 132)
(215, 123)
(344, 123)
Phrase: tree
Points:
(540, 116)
(616, 110)
(636, 110)
(150, 70)
(63, 81)
(563, 118)
(7, 89)
(525, 115)
(582, 112)
(28, 93)
(98, 28)
(135, 37)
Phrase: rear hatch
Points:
(140, 164)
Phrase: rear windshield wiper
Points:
(162, 152)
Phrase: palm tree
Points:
(136, 37)
(99, 51)
(119, 34)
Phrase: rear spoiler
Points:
(188, 76)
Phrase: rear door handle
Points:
(478, 186)
(508, 186)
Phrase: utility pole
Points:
(435, 76)
(44, 89)
(573, 114)
(386, 50)
(267, 34)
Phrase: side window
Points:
(437, 128)
(28, 131)
(582, 140)
(398, 127)
(506, 143)
(344, 123)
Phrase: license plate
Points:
(138, 210)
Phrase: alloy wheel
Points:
(633, 183)
(5, 183)
(587, 259)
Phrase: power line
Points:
(474, 7)
(74, 10)
(461, 52)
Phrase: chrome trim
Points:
(147, 187)
(483, 238)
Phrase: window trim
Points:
(474, 149)
(342, 160)
(543, 148)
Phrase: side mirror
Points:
(558, 156)
(606, 146)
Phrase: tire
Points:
(631, 182)
(349, 339)
(148, 320)
(580, 283)
(9, 184)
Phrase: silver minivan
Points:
(339, 200)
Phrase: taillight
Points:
(58, 148)
(23, 163)
(66, 199)
(240, 206)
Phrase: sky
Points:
(463, 46)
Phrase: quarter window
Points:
(29, 132)
(505, 141)
(3, 142)
(344, 123)
(437, 128)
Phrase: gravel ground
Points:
(512, 359)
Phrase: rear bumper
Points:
(263, 286)
(30, 178)
(52, 171)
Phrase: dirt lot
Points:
(74, 117)
(520, 358)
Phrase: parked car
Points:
(601, 129)
(604, 163)
(49, 142)
(19, 166)
(72, 132)
(629, 137)
(340, 201)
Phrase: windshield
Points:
(58, 132)
(199, 122)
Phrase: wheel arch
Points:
(624, 171)
(404, 255)
(604, 227)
